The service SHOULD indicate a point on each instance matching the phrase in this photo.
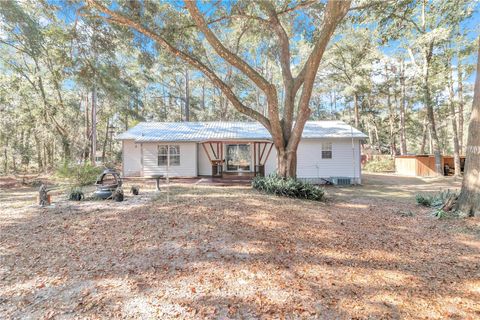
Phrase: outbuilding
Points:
(328, 150)
(424, 165)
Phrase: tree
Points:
(428, 25)
(469, 199)
(286, 128)
(349, 63)
(453, 116)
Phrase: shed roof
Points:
(222, 130)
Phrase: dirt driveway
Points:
(195, 252)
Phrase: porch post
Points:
(254, 158)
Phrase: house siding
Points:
(204, 165)
(188, 160)
(132, 166)
(271, 163)
(345, 161)
(194, 161)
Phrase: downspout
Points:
(353, 155)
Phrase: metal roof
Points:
(217, 130)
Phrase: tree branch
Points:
(283, 38)
(234, 60)
(285, 56)
(120, 19)
(334, 13)
(370, 4)
(223, 52)
(301, 4)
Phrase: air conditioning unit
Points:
(342, 181)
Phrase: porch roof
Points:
(217, 131)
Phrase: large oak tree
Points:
(288, 111)
(469, 200)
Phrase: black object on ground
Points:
(118, 195)
(107, 183)
(135, 190)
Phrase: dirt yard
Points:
(195, 252)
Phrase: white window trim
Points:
(169, 155)
(330, 148)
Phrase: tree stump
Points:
(43, 196)
(450, 202)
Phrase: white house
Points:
(328, 151)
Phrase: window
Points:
(164, 151)
(326, 150)
(174, 155)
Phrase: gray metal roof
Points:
(204, 131)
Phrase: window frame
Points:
(169, 158)
(175, 155)
(327, 150)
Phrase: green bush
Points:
(288, 187)
(380, 165)
(79, 174)
(424, 200)
(436, 201)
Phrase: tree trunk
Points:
(391, 117)
(49, 156)
(5, 159)
(430, 140)
(38, 146)
(424, 136)
(105, 143)
(65, 149)
(355, 108)
(377, 137)
(370, 131)
(45, 158)
(430, 112)
(453, 119)
(286, 163)
(461, 104)
(403, 136)
(86, 152)
(203, 94)
(469, 200)
(187, 96)
(93, 151)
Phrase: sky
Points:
(67, 12)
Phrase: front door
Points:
(238, 157)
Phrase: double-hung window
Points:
(168, 151)
(326, 150)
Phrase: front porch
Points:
(237, 160)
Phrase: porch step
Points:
(240, 176)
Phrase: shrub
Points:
(288, 187)
(424, 200)
(79, 174)
(436, 200)
(380, 165)
(441, 203)
(440, 213)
